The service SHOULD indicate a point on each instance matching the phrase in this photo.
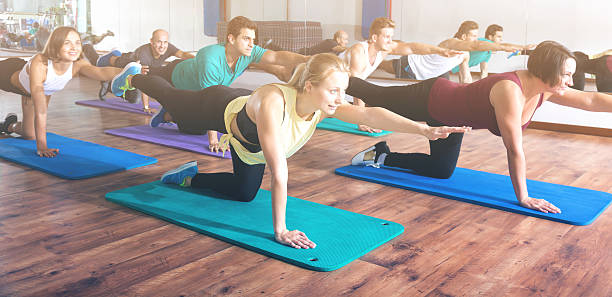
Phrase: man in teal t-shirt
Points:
(188, 74)
(221, 64)
(493, 34)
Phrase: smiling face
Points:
(71, 48)
(244, 42)
(329, 93)
(382, 41)
(159, 42)
(565, 80)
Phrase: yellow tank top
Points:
(295, 131)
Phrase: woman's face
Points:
(565, 81)
(71, 49)
(330, 92)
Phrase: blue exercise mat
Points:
(77, 159)
(341, 236)
(578, 206)
(334, 124)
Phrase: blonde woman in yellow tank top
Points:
(38, 79)
(268, 126)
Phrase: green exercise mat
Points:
(334, 124)
(341, 236)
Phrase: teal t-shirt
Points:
(209, 68)
(477, 57)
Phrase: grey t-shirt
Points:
(145, 55)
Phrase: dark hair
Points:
(547, 60)
(56, 41)
(492, 29)
(466, 27)
(237, 23)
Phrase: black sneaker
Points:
(133, 96)
(103, 89)
(365, 157)
(10, 119)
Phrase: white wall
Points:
(580, 25)
(133, 22)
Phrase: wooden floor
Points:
(61, 237)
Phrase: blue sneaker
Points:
(178, 175)
(119, 84)
(104, 61)
(158, 118)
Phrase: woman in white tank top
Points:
(45, 74)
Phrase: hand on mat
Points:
(214, 147)
(540, 205)
(368, 129)
(433, 133)
(295, 238)
(47, 152)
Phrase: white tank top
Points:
(346, 55)
(52, 83)
(428, 66)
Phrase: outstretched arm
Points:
(268, 108)
(183, 55)
(381, 118)
(505, 98)
(591, 101)
(416, 48)
(283, 58)
(479, 45)
(97, 73)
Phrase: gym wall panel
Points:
(258, 10)
(130, 31)
(105, 16)
(152, 20)
(338, 14)
(133, 21)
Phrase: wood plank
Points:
(61, 237)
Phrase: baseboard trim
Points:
(571, 128)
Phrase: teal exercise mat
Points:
(77, 159)
(341, 236)
(578, 206)
(334, 124)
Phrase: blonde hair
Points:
(380, 23)
(56, 41)
(316, 70)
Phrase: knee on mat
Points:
(246, 195)
(441, 172)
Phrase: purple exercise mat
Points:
(168, 135)
(119, 104)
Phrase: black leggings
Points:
(411, 101)
(195, 112)
(242, 185)
(165, 71)
(7, 68)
